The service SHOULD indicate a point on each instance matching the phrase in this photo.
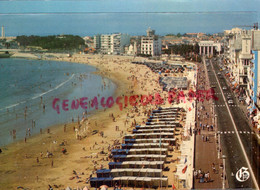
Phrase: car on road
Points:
(229, 97)
(219, 73)
(224, 88)
(241, 98)
(230, 101)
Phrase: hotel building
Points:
(151, 44)
(112, 44)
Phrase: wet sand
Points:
(22, 164)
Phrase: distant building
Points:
(151, 44)
(254, 80)
(3, 32)
(112, 44)
(233, 31)
(207, 47)
(132, 49)
(97, 41)
(195, 35)
(253, 73)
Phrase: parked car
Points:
(230, 101)
(219, 73)
(224, 88)
(241, 98)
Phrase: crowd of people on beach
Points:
(99, 151)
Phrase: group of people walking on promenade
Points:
(204, 127)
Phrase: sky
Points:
(76, 6)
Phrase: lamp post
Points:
(216, 120)
(219, 145)
(224, 172)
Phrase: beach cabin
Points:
(141, 157)
(137, 164)
(171, 141)
(139, 160)
(145, 145)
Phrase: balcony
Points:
(242, 84)
(246, 56)
(243, 74)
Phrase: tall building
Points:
(254, 79)
(151, 44)
(112, 44)
(97, 41)
(3, 32)
(243, 57)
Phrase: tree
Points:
(63, 42)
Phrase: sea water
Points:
(89, 24)
(27, 86)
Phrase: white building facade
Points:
(242, 55)
(208, 47)
(151, 44)
(111, 44)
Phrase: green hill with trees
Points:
(61, 42)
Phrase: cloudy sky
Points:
(54, 6)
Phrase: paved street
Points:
(233, 137)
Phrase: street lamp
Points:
(216, 120)
(224, 172)
(219, 147)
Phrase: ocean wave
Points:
(55, 88)
(39, 95)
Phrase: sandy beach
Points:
(27, 165)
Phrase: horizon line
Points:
(132, 12)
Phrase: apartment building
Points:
(112, 44)
(151, 44)
(242, 55)
(97, 41)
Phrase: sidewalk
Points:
(206, 141)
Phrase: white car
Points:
(230, 101)
(241, 98)
(224, 88)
